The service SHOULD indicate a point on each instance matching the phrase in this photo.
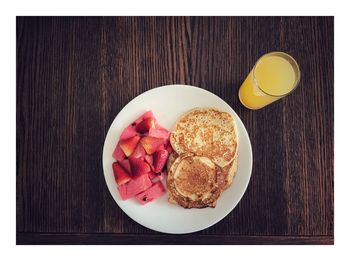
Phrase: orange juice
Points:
(274, 76)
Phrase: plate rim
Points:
(249, 150)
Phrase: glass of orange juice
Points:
(274, 76)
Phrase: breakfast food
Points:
(141, 156)
(204, 160)
(206, 132)
(198, 159)
(230, 172)
(194, 181)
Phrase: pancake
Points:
(195, 181)
(229, 171)
(206, 132)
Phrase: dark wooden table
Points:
(75, 74)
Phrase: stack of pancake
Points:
(204, 161)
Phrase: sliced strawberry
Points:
(138, 167)
(128, 132)
(151, 144)
(149, 159)
(139, 152)
(160, 158)
(128, 146)
(120, 174)
(118, 154)
(159, 133)
(145, 125)
(125, 164)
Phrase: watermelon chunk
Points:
(159, 177)
(152, 176)
(134, 187)
(125, 164)
(168, 146)
(160, 158)
(123, 192)
(138, 166)
(151, 194)
(128, 132)
(145, 125)
(139, 152)
(118, 153)
(159, 133)
(149, 159)
(151, 144)
(129, 145)
(160, 127)
(146, 115)
(120, 174)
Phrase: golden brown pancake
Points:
(204, 161)
(194, 181)
(206, 132)
(229, 171)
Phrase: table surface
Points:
(74, 74)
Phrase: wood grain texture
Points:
(157, 239)
(74, 74)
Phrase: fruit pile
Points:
(141, 154)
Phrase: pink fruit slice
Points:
(149, 159)
(160, 158)
(168, 146)
(152, 175)
(123, 192)
(118, 153)
(159, 133)
(146, 115)
(125, 164)
(139, 152)
(160, 127)
(145, 125)
(159, 177)
(161, 147)
(134, 187)
(128, 132)
(151, 144)
(120, 174)
(138, 166)
(128, 146)
(151, 193)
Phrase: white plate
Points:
(168, 103)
